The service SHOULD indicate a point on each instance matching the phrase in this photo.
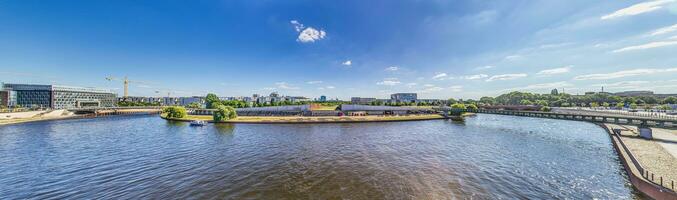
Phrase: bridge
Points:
(590, 117)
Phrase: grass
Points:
(304, 119)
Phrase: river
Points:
(484, 157)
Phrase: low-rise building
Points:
(56, 96)
(361, 100)
(404, 97)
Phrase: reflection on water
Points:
(483, 157)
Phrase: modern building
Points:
(403, 97)
(55, 96)
(361, 100)
(323, 98)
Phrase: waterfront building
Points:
(403, 97)
(361, 100)
(56, 96)
(323, 98)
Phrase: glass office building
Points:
(56, 97)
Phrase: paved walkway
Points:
(667, 139)
(652, 154)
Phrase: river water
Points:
(484, 157)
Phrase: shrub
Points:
(175, 112)
(224, 113)
(472, 107)
(546, 109)
(458, 106)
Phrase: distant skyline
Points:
(439, 49)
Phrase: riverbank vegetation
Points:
(568, 100)
(224, 113)
(175, 112)
(310, 119)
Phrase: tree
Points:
(542, 102)
(633, 105)
(488, 100)
(526, 102)
(594, 104)
(472, 107)
(175, 112)
(670, 100)
(458, 106)
(546, 109)
(194, 105)
(210, 99)
(620, 105)
(224, 113)
(605, 104)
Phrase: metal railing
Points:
(645, 173)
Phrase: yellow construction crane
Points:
(125, 81)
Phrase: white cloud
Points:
(474, 77)
(347, 63)
(542, 86)
(638, 9)
(314, 82)
(410, 85)
(330, 87)
(308, 34)
(664, 30)
(311, 35)
(389, 82)
(624, 73)
(430, 88)
(285, 86)
(647, 46)
(428, 85)
(440, 76)
(622, 84)
(504, 77)
(392, 68)
(269, 88)
(484, 67)
(297, 25)
(559, 70)
(456, 88)
(513, 57)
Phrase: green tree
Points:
(542, 102)
(620, 105)
(546, 109)
(175, 111)
(606, 104)
(633, 106)
(210, 99)
(594, 105)
(670, 100)
(458, 106)
(194, 105)
(471, 107)
(526, 102)
(224, 113)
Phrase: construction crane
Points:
(125, 81)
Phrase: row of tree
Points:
(566, 100)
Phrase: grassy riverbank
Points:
(304, 119)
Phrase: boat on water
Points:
(198, 123)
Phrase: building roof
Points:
(275, 109)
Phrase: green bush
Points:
(472, 107)
(458, 106)
(224, 113)
(175, 112)
(546, 109)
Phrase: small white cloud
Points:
(513, 57)
(484, 67)
(559, 70)
(622, 84)
(647, 46)
(624, 73)
(410, 85)
(347, 63)
(297, 25)
(431, 89)
(440, 76)
(269, 88)
(474, 77)
(542, 86)
(637, 9)
(664, 30)
(285, 86)
(456, 88)
(330, 87)
(428, 85)
(311, 35)
(504, 77)
(314, 82)
(392, 68)
(389, 82)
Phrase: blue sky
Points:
(440, 49)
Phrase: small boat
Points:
(198, 123)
